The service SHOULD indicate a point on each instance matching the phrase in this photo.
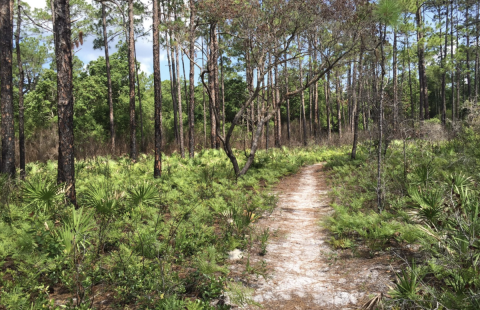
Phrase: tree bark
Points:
(412, 103)
(302, 95)
(453, 60)
(355, 116)
(211, 84)
(278, 121)
(109, 79)
(339, 94)
(288, 104)
(395, 82)
(467, 60)
(204, 108)
(327, 103)
(21, 77)
(380, 124)
(6, 89)
(171, 67)
(424, 107)
(477, 57)
(157, 91)
(140, 108)
(131, 78)
(444, 72)
(191, 114)
(179, 96)
(63, 54)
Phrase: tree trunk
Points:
(453, 60)
(288, 104)
(131, 78)
(63, 54)
(204, 108)
(424, 113)
(223, 94)
(140, 108)
(304, 123)
(327, 103)
(467, 60)
(459, 77)
(316, 126)
(339, 94)
(444, 72)
(109, 79)
(171, 70)
(278, 121)
(477, 57)
(269, 99)
(395, 83)
(211, 85)
(191, 114)
(21, 77)
(355, 116)
(6, 89)
(179, 100)
(380, 124)
(157, 85)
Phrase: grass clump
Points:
(135, 241)
(429, 218)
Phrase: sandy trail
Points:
(305, 273)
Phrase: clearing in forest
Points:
(304, 272)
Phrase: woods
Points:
(205, 85)
(272, 47)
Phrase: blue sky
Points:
(143, 48)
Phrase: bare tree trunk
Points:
(380, 124)
(349, 121)
(302, 95)
(6, 89)
(356, 110)
(310, 96)
(443, 60)
(339, 94)
(157, 85)
(288, 104)
(421, 66)
(191, 114)
(278, 121)
(131, 76)
(211, 85)
(179, 94)
(316, 126)
(477, 58)
(173, 86)
(63, 53)
(459, 76)
(223, 95)
(109, 79)
(216, 49)
(204, 108)
(327, 104)
(467, 60)
(21, 77)
(269, 99)
(140, 108)
(395, 82)
(453, 60)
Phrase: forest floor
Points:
(302, 270)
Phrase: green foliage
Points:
(146, 242)
(432, 207)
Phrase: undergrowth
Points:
(429, 218)
(135, 242)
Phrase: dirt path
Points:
(304, 271)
